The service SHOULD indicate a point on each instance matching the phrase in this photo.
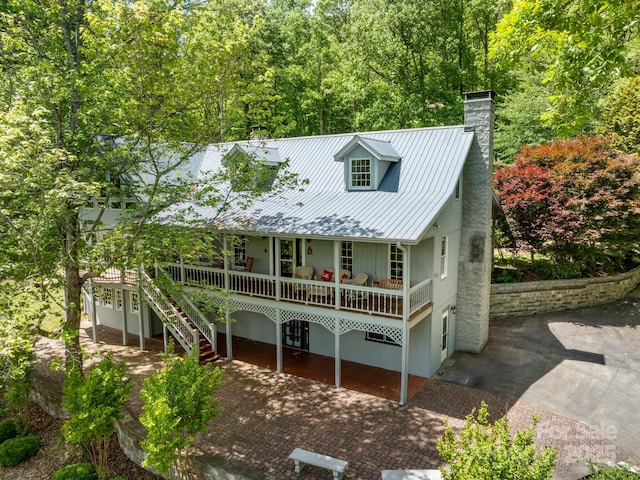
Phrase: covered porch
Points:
(362, 378)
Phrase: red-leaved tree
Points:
(575, 199)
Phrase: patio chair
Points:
(302, 273)
(359, 280)
(305, 273)
(391, 283)
(248, 264)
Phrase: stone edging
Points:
(530, 298)
(130, 433)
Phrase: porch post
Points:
(406, 279)
(271, 256)
(278, 267)
(338, 374)
(336, 269)
(227, 317)
(404, 376)
(143, 314)
(124, 314)
(278, 341)
(125, 325)
(142, 311)
(183, 278)
(225, 252)
(94, 318)
(165, 337)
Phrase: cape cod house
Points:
(383, 259)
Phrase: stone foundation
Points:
(530, 298)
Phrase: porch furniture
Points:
(304, 273)
(248, 264)
(391, 283)
(342, 273)
(360, 280)
(304, 457)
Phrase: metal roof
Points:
(425, 178)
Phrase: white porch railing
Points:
(419, 296)
(371, 300)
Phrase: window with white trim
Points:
(444, 254)
(240, 252)
(118, 299)
(107, 297)
(360, 173)
(346, 256)
(396, 262)
(380, 338)
(135, 302)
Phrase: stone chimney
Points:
(476, 245)
(259, 132)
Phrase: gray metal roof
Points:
(382, 150)
(422, 181)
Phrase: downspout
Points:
(404, 375)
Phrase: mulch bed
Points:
(55, 454)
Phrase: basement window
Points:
(380, 338)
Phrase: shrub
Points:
(77, 471)
(95, 403)
(18, 449)
(8, 430)
(178, 402)
(485, 450)
(606, 472)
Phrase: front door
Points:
(295, 334)
(444, 339)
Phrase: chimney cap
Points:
(479, 95)
(258, 132)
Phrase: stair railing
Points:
(186, 335)
(194, 314)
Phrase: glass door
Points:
(295, 334)
(445, 335)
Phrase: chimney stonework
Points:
(476, 246)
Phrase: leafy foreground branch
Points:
(95, 403)
(484, 450)
(178, 402)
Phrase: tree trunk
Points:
(72, 294)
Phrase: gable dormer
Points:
(263, 163)
(366, 161)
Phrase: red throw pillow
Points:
(344, 277)
(326, 275)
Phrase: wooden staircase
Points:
(206, 354)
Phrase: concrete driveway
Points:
(582, 364)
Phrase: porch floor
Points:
(355, 376)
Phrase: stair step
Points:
(208, 358)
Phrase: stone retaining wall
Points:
(530, 298)
(131, 433)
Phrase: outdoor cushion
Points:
(326, 275)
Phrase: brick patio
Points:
(266, 415)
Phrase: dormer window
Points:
(360, 173)
(366, 162)
(252, 166)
